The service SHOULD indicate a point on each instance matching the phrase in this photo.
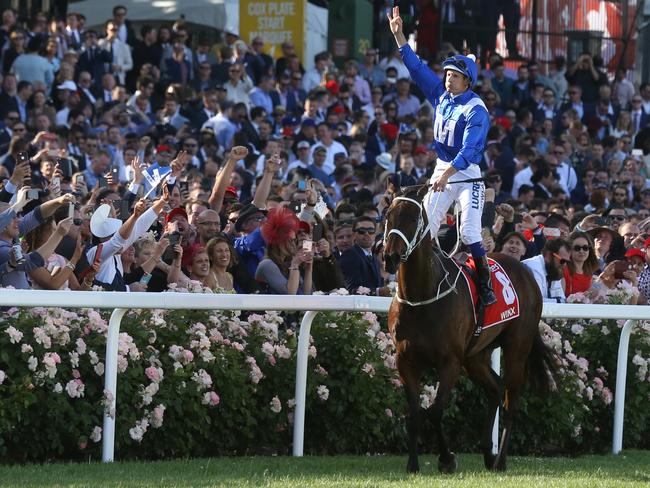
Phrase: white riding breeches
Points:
(469, 196)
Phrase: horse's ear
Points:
(424, 190)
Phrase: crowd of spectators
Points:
(139, 162)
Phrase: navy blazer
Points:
(360, 270)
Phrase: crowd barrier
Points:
(122, 302)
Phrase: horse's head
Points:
(406, 226)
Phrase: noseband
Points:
(420, 230)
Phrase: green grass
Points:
(629, 469)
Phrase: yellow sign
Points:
(275, 21)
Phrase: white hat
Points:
(67, 85)
(101, 225)
(385, 160)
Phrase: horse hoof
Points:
(448, 464)
(489, 459)
(499, 464)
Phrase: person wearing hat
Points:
(115, 236)
(250, 244)
(460, 130)
(280, 270)
(514, 245)
(608, 245)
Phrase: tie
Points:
(635, 121)
(91, 54)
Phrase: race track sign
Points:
(275, 21)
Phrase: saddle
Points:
(507, 305)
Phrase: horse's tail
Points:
(542, 366)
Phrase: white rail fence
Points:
(122, 302)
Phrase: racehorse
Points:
(432, 324)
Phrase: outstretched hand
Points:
(395, 21)
(396, 27)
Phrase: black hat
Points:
(245, 213)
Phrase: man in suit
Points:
(359, 266)
(585, 110)
(93, 59)
(125, 32)
(640, 117)
(122, 62)
(261, 63)
(209, 108)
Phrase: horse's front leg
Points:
(411, 376)
(448, 374)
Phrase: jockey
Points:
(460, 127)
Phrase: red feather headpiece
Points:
(280, 226)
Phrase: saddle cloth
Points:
(507, 305)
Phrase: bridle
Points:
(420, 233)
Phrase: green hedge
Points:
(199, 383)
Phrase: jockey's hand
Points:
(441, 183)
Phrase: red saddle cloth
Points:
(507, 305)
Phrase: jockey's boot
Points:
(484, 282)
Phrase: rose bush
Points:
(204, 383)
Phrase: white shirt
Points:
(109, 265)
(554, 294)
(522, 178)
(568, 177)
(335, 147)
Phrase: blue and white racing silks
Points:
(461, 122)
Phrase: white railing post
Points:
(302, 357)
(110, 384)
(621, 378)
(496, 366)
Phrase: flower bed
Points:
(200, 383)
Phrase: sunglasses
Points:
(577, 248)
(620, 218)
(364, 230)
(562, 260)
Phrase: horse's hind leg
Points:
(480, 372)
(514, 379)
(448, 375)
(411, 376)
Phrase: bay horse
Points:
(432, 324)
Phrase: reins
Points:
(418, 236)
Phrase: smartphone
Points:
(115, 173)
(307, 245)
(22, 158)
(551, 232)
(79, 179)
(302, 185)
(184, 188)
(66, 168)
(601, 222)
(295, 207)
(124, 210)
(71, 210)
(103, 182)
(518, 219)
(621, 267)
(637, 153)
(33, 194)
(317, 231)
